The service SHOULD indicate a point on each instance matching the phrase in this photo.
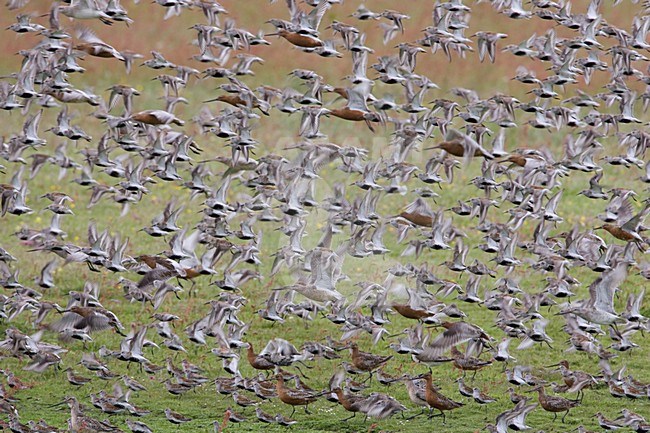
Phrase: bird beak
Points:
(395, 335)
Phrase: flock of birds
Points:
(344, 188)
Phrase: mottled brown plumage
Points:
(365, 361)
(555, 404)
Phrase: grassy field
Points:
(274, 133)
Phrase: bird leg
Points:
(565, 414)
(305, 365)
(300, 371)
(350, 417)
(416, 415)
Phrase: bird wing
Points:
(632, 224)
(358, 95)
(69, 320)
(94, 322)
(449, 338)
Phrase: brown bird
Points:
(175, 417)
(575, 380)
(456, 333)
(298, 39)
(350, 402)
(462, 145)
(156, 117)
(418, 213)
(436, 400)
(257, 362)
(467, 363)
(365, 361)
(294, 397)
(96, 47)
(239, 102)
(74, 379)
(555, 404)
(356, 109)
(410, 312)
(628, 231)
(88, 319)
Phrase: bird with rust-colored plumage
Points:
(298, 39)
(294, 397)
(436, 400)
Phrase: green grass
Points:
(274, 133)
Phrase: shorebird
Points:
(350, 402)
(555, 404)
(628, 230)
(90, 319)
(436, 400)
(367, 362)
(227, 206)
(84, 10)
(256, 361)
(94, 46)
(175, 417)
(599, 308)
(456, 333)
(156, 117)
(356, 108)
(462, 145)
(294, 397)
(416, 391)
(467, 363)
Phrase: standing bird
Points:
(294, 397)
(350, 402)
(555, 404)
(436, 400)
(365, 361)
